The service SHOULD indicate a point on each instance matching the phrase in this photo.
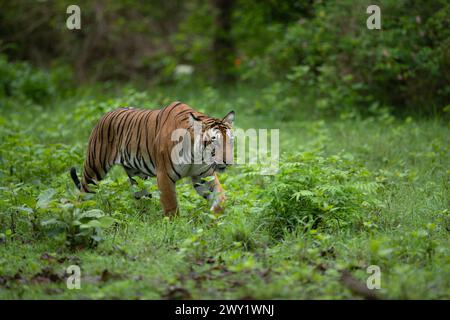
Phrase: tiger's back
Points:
(129, 137)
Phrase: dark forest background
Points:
(320, 48)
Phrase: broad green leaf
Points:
(44, 198)
(94, 213)
(91, 224)
(106, 221)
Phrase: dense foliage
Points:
(316, 47)
(357, 185)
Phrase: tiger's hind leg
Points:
(139, 194)
(210, 189)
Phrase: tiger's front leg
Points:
(168, 194)
(211, 190)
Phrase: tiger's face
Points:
(219, 142)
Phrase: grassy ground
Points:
(350, 193)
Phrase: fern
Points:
(315, 191)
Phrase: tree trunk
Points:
(224, 52)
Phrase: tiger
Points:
(141, 141)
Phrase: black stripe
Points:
(136, 165)
(111, 118)
(173, 168)
(183, 113)
(97, 174)
(94, 137)
(170, 178)
(151, 161)
(102, 143)
(92, 165)
(118, 113)
(138, 144)
(130, 135)
(148, 141)
(164, 159)
(111, 137)
(121, 125)
(90, 181)
(157, 121)
(209, 168)
(168, 113)
(126, 127)
(127, 156)
(150, 172)
(171, 165)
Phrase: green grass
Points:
(387, 178)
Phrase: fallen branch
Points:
(357, 287)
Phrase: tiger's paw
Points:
(218, 205)
(217, 209)
(172, 213)
(142, 194)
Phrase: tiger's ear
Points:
(229, 118)
(193, 119)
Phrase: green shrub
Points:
(402, 66)
(78, 228)
(23, 159)
(20, 81)
(312, 191)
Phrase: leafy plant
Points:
(21, 81)
(312, 191)
(78, 228)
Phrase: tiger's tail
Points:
(74, 176)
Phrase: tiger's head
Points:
(217, 140)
